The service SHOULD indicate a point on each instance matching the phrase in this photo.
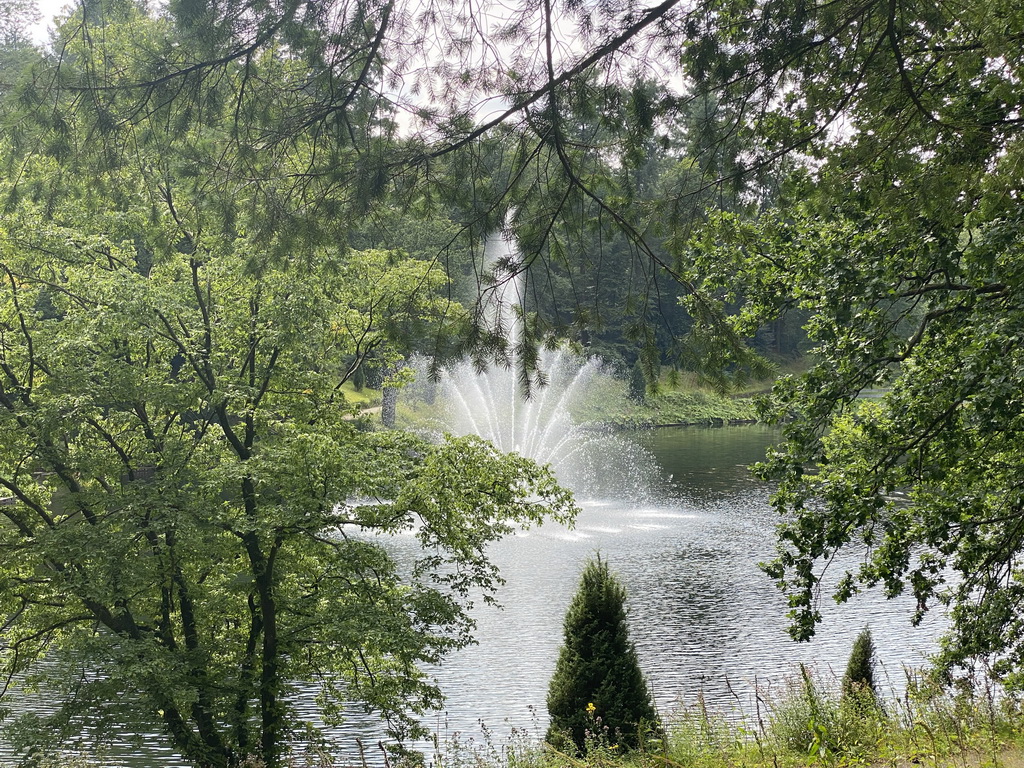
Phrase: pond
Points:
(705, 620)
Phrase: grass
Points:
(364, 398)
(807, 724)
(679, 400)
(690, 407)
(926, 726)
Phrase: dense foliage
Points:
(193, 204)
(598, 694)
(191, 510)
(193, 518)
(901, 238)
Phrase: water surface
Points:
(704, 619)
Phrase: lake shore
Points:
(809, 724)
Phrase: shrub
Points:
(598, 693)
(859, 680)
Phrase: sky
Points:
(48, 9)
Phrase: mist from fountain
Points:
(588, 458)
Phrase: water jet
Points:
(541, 424)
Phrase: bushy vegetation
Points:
(598, 695)
(807, 723)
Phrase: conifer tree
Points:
(859, 679)
(598, 686)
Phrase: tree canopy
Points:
(185, 288)
(193, 517)
(190, 507)
(900, 236)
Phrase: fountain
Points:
(586, 457)
(541, 427)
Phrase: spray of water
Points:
(588, 458)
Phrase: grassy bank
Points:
(677, 400)
(684, 407)
(363, 398)
(807, 724)
(810, 727)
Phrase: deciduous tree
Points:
(901, 237)
(192, 514)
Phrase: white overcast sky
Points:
(48, 9)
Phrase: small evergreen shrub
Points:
(859, 680)
(598, 694)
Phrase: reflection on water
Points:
(703, 617)
(708, 463)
